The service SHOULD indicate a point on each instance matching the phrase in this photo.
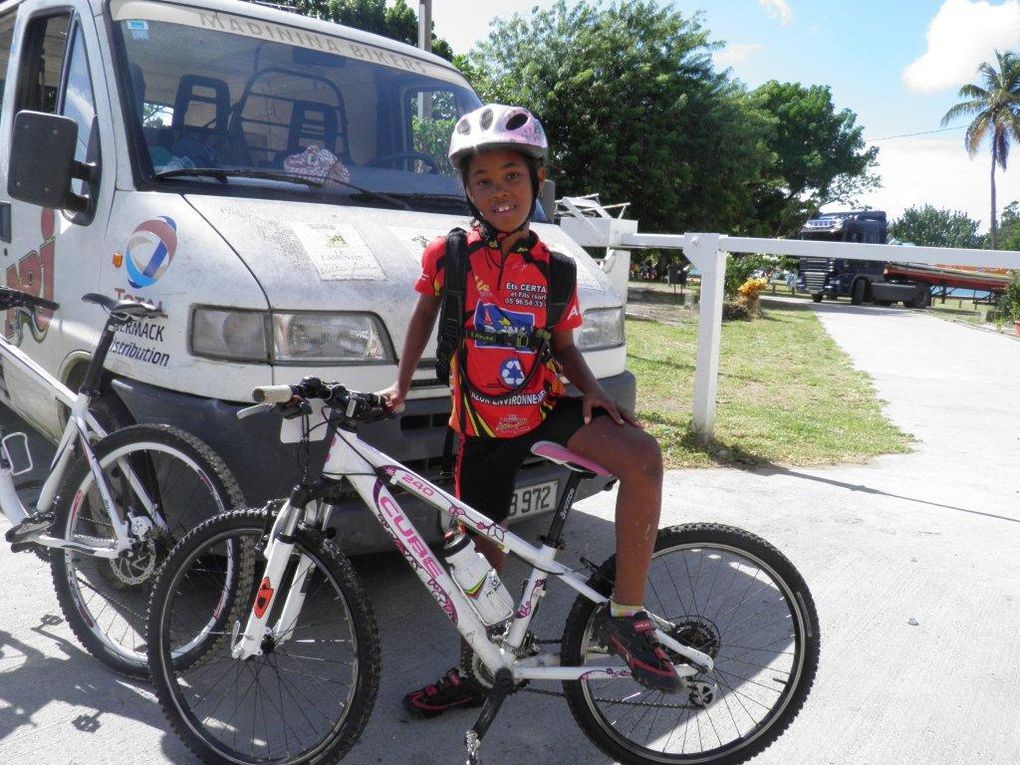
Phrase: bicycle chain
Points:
(617, 702)
(543, 692)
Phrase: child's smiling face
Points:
(499, 185)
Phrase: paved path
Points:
(913, 561)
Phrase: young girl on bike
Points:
(500, 152)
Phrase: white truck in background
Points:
(162, 150)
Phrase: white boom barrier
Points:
(708, 252)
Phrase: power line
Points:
(910, 135)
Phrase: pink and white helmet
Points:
(497, 126)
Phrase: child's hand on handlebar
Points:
(394, 397)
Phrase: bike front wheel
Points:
(731, 595)
(306, 697)
(184, 483)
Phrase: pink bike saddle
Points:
(563, 456)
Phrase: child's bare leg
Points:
(633, 456)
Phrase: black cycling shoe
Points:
(452, 691)
(30, 526)
(632, 638)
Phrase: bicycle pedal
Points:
(22, 546)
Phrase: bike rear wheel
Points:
(103, 600)
(303, 699)
(731, 595)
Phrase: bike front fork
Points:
(278, 553)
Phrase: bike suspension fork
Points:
(278, 552)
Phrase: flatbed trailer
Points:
(878, 282)
(942, 279)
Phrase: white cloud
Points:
(732, 55)
(963, 34)
(939, 172)
(778, 9)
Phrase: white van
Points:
(194, 120)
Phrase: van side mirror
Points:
(42, 161)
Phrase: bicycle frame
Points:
(80, 429)
(370, 472)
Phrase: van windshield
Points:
(260, 101)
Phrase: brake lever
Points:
(252, 410)
(295, 408)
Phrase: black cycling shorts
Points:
(486, 468)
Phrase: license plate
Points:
(531, 500)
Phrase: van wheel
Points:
(859, 292)
(111, 412)
(816, 298)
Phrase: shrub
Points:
(752, 287)
(1009, 303)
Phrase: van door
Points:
(53, 253)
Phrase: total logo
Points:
(150, 251)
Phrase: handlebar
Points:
(362, 407)
(10, 298)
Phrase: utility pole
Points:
(425, 43)
(425, 25)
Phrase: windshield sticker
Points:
(135, 11)
(150, 251)
(337, 251)
(416, 239)
(139, 29)
(33, 274)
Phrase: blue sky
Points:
(897, 64)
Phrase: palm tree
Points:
(996, 106)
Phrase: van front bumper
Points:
(267, 469)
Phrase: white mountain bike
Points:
(112, 505)
(295, 678)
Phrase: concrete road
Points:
(912, 559)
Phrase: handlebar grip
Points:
(272, 394)
(12, 298)
(42, 302)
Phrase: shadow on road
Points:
(771, 470)
(31, 679)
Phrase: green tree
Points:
(1009, 227)
(398, 21)
(818, 155)
(995, 104)
(633, 108)
(930, 227)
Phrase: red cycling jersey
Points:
(503, 295)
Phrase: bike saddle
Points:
(563, 456)
(126, 307)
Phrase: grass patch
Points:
(787, 394)
(957, 309)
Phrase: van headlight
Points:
(601, 328)
(334, 338)
(294, 338)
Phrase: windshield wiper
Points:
(446, 199)
(223, 173)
